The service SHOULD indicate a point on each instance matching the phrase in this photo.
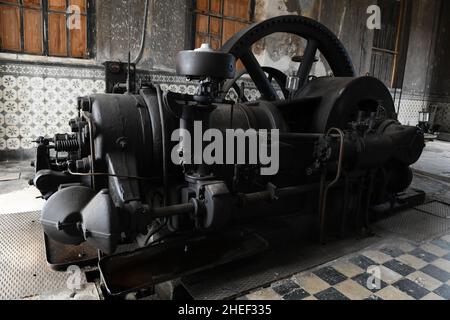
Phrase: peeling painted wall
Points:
(427, 72)
(278, 49)
(346, 18)
(420, 51)
(428, 66)
(169, 30)
(120, 25)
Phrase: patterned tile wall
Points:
(41, 99)
(180, 85)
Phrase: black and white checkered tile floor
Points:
(398, 270)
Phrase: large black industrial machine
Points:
(342, 151)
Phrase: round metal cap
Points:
(205, 62)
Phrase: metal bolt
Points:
(122, 143)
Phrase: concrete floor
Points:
(16, 195)
(435, 161)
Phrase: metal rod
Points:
(91, 143)
(251, 198)
(385, 51)
(175, 210)
(245, 199)
(164, 145)
(104, 174)
(308, 60)
(258, 76)
(129, 73)
(138, 58)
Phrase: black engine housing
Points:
(111, 180)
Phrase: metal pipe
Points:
(144, 32)
(129, 73)
(164, 145)
(91, 144)
(175, 210)
(104, 174)
(275, 194)
(323, 203)
(245, 199)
